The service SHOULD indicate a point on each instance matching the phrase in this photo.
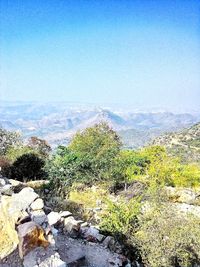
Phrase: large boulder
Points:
(8, 235)
(12, 211)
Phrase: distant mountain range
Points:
(58, 122)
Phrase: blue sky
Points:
(139, 52)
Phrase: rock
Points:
(12, 211)
(54, 231)
(53, 217)
(53, 261)
(38, 204)
(40, 257)
(92, 234)
(186, 208)
(115, 261)
(51, 240)
(84, 224)
(30, 235)
(23, 199)
(2, 182)
(38, 216)
(25, 217)
(71, 226)
(15, 182)
(107, 241)
(65, 214)
(181, 195)
(8, 235)
(76, 263)
(6, 190)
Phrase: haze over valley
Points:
(58, 122)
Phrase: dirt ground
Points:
(95, 255)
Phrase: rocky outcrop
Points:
(42, 235)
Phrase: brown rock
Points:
(31, 235)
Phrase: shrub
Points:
(128, 166)
(4, 166)
(167, 238)
(28, 167)
(63, 168)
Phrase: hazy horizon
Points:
(131, 53)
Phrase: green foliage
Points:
(7, 140)
(167, 238)
(87, 159)
(97, 146)
(27, 167)
(128, 165)
(15, 152)
(63, 168)
(120, 217)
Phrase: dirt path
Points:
(95, 255)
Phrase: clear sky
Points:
(137, 52)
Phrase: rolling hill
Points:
(185, 143)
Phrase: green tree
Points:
(97, 147)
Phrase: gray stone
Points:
(53, 217)
(71, 226)
(23, 199)
(84, 224)
(38, 216)
(107, 241)
(93, 234)
(38, 204)
(6, 190)
(2, 182)
(53, 261)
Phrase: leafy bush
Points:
(159, 234)
(27, 167)
(128, 165)
(4, 166)
(63, 168)
(167, 238)
(120, 217)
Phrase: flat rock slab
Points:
(95, 254)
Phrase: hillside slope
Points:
(185, 143)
